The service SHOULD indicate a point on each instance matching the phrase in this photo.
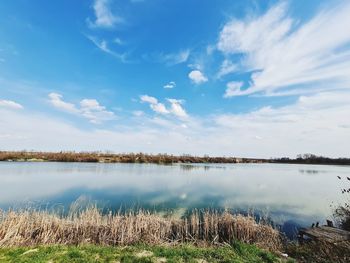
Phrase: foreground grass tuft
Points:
(238, 252)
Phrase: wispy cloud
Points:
(103, 46)
(138, 113)
(297, 127)
(233, 89)
(197, 77)
(301, 116)
(227, 67)
(104, 17)
(9, 104)
(284, 54)
(87, 108)
(118, 41)
(172, 59)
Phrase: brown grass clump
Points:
(31, 228)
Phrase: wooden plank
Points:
(336, 230)
(325, 233)
(325, 229)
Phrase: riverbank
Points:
(90, 236)
(238, 252)
(206, 236)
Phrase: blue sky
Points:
(243, 78)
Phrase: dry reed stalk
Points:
(30, 228)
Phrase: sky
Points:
(241, 78)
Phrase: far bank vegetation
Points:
(106, 157)
(117, 158)
(90, 226)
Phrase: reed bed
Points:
(31, 228)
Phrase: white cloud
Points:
(170, 85)
(226, 68)
(177, 109)
(154, 104)
(89, 108)
(284, 54)
(197, 77)
(159, 108)
(21, 130)
(94, 112)
(104, 16)
(315, 123)
(233, 89)
(9, 104)
(57, 101)
(175, 58)
(149, 99)
(312, 124)
(91, 104)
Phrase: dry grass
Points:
(318, 251)
(32, 228)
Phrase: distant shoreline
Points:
(100, 157)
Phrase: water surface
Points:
(287, 193)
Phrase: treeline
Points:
(313, 159)
(105, 157)
(117, 158)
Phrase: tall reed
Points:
(30, 228)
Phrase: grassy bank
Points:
(90, 236)
(238, 252)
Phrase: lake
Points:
(289, 194)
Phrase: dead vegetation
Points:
(32, 228)
(117, 158)
(319, 251)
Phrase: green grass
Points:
(140, 253)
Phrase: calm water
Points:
(289, 194)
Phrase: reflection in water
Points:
(189, 167)
(282, 192)
(308, 171)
